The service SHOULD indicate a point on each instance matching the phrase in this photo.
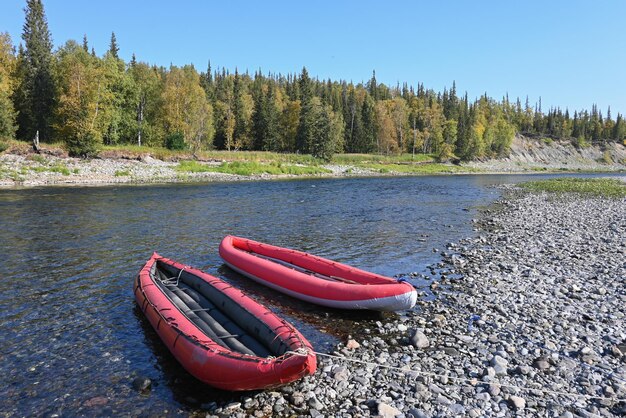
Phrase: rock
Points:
(494, 389)
(314, 413)
(297, 399)
(142, 384)
(233, 406)
(497, 360)
(541, 363)
(457, 409)
(419, 340)
(352, 345)
(499, 365)
(475, 413)
(341, 373)
(96, 401)
(402, 327)
(249, 403)
(451, 351)
(315, 403)
(387, 411)
(517, 402)
(417, 413)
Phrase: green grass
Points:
(264, 156)
(7, 173)
(39, 159)
(593, 187)
(430, 168)
(57, 168)
(248, 168)
(355, 159)
(192, 166)
(122, 173)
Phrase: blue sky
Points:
(571, 53)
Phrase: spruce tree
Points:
(35, 95)
(367, 140)
(113, 48)
(85, 44)
(372, 87)
(306, 115)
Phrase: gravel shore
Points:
(528, 320)
(28, 169)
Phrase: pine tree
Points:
(35, 95)
(85, 44)
(113, 48)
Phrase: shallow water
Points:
(72, 338)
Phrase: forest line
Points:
(74, 96)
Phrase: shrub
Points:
(3, 147)
(175, 141)
(580, 142)
(85, 145)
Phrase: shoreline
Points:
(528, 319)
(35, 170)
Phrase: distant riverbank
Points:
(22, 167)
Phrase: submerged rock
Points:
(142, 384)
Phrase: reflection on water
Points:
(72, 339)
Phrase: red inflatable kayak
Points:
(315, 279)
(220, 335)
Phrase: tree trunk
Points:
(36, 147)
(140, 108)
(414, 139)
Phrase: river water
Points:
(72, 339)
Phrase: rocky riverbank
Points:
(22, 167)
(529, 320)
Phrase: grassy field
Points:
(428, 168)
(248, 168)
(593, 187)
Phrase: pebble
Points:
(517, 402)
(315, 403)
(387, 411)
(352, 345)
(541, 363)
(418, 339)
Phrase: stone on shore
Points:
(418, 339)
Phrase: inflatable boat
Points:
(220, 335)
(315, 279)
